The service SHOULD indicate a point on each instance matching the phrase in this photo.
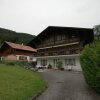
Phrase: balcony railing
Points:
(58, 53)
(61, 42)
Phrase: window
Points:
(73, 36)
(31, 58)
(70, 62)
(66, 62)
(73, 60)
(43, 62)
(10, 51)
(63, 37)
(22, 57)
(50, 39)
(58, 37)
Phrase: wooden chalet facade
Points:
(61, 44)
(12, 52)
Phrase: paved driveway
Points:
(64, 85)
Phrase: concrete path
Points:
(64, 85)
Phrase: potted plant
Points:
(59, 65)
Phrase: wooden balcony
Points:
(55, 43)
(57, 53)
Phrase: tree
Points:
(97, 32)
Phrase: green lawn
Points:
(17, 83)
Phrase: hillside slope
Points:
(12, 36)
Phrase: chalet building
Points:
(12, 52)
(62, 44)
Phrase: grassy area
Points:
(17, 83)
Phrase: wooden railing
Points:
(57, 53)
(58, 42)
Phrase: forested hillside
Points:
(12, 36)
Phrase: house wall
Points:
(53, 60)
(11, 57)
(27, 57)
(6, 51)
(20, 52)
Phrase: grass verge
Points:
(17, 83)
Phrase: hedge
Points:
(24, 64)
(90, 62)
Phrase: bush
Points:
(90, 62)
(59, 64)
(21, 63)
(12, 63)
(8, 63)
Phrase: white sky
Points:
(33, 16)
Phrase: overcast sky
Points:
(33, 16)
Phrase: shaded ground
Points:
(64, 85)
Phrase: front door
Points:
(55, 63)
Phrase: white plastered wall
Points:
(50, 60)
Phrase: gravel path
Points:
(64, 85)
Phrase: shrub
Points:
(12, 63)
(90, 62)
(59, 64)
(21, 63)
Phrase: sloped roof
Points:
(20, 46)
(85, 33)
